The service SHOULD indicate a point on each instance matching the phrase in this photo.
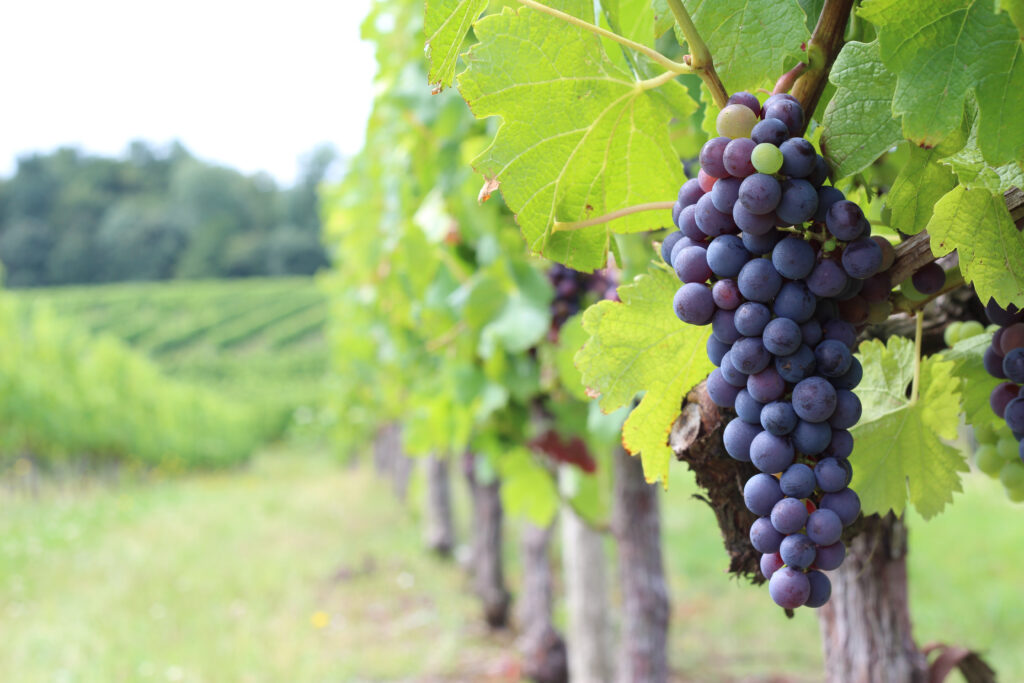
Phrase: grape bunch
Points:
(1001, 450)
(571, 288)
(785, 270)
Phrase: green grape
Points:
(1015, 495)
(879, 311)
(735, 121)
(1012, 476)
(988, 460)
(1008, 448)
(970, 328)
(766, 158)
(909, 291)
(952, 334)
(985, 433)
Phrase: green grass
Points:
(221, 577)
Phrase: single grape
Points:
(798, 158)
(1007, 447)
(723, 326)
(814, 399)
(691, 265)
(831, 477)
(929, 278)
(827, 279)
(721, 392)
(848, 410)
(766, 158)
(798, 481)
(993, 362)
(844, 503)
(787, 111)
(789, 588)
(706, 180)
(794, 301)
(752, 224)
(736, 157)
(770, 563)
(1012, 337)
(798, 202)
(830, 556)
(711, 157)
(827, 196)
(710, 220)
(766, 386)
(726, 256)
(693, 304)
(751, 318)
(759, 281)
(716, 350)
(772, 131)
(730, 374)
(793, 258)
(797, 551)
(811, 438)
(677, 208)
(819, 174)
(760, 193)
(746, 99)
(782, 337)
(770, 453)
(833, 358)
(778, 418)
(824, 527)
(988, 460)
(862, 258)
(1011, 475)
(735, 121)
(726, 294)
(844, 220)
(749, 355)
(821, 589)
(796, 366)
(747, 408)
(761, 493)
(789, 515)
(810, 332)
(764, 537)
(687, 223)
(736, 438)
(841, 331)
(1014, 416)
(888, 252)
(689, 193)
(840, 446)
(666, 246)
(760, 244)
(724, 194)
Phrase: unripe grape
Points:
(735, 121)
(767, 158)
(988, 460)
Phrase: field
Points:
(259, 340)
(299, 569)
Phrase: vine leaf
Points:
(750, 39)
(527, 489)
(975, 382)
(940, 53)
(899, 454)
(571, 338)
(858, 121)
(639, 345)
(921, 182)
(977, 224)
(580, 137)
(446, 23)
(969, 165)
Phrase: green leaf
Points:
(969, 165)
(977, 224)
(920, 183)
(446, 23)
(858, 122)
(750, 40)
(580, 136)
(1014, 8)
(898, 453)
(527, 488)
(639, 345)
(812, 10)
(975, 383)
(942, 51)
(571, 338)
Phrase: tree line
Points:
(155, 213)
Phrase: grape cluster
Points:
(571, 288)
(1001, 454)
(784, 269)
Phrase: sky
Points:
(248, 84)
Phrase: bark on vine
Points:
(542, 647)
(586, 587)
(439, 526)
(486, 557)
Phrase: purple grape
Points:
(689, 193)
(1014, 416)
(721, 392)
(747, 100)
(798, 157)
(760, 194)
(770, 453)
(798, 481)
(770, 130)
(798, 203)
(691, 265)
(724, 194)
(840, 446)
(723, 326)
(766, 386)
(687, 224)
(764, 537)
(759, 281)
(782, 337)
(666, 246)
(770, 563)
(793, 258)
(747, 408)
(814, 399)
(693, 304)
(830, 556)
(711, 157)
(789, 515)
(824, 527)
(1002, 316)
(737, 436)
(751, 318)
(797, 366)
(841, 331)
(821, 589)
(848, 410)
(797, 551)
(851, 378)
(761, 493)
(677, 208)
(827, 196)
(778, 418)
(787, 111)
(833, 358)
(876, 288)
(862, 258)
(716, 350)
(736, 157)
(710, 220)
(819, 174)
(827, 279)
(761, 244)
(811, 438)
(727, 255)
(752, 223)
(929, 278)
(795, 301)
(811, 333)
(831, 476)
(844, 220)
(730, 374)
(789, 588)
(844, 503)
(993, 362)
(749, 355)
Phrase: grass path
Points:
(299, 570)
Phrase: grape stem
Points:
(700, 56)
(915, 386)
(786, 80)
(653, 55)
(822, 50)
(597, 220)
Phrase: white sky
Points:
(250, 84)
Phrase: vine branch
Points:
(822, 50)
(597, 220)
(915, 386)
(700, 56)
(653, 55)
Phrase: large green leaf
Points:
(899, 454)
(750, 40)
(639, 345)
(921, 182)
(446, 23)
(941, 51)
(580, 136)
(975, 383)
(977, 224)
(969, 165)
(858, 121)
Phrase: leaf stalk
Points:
(700, 55)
